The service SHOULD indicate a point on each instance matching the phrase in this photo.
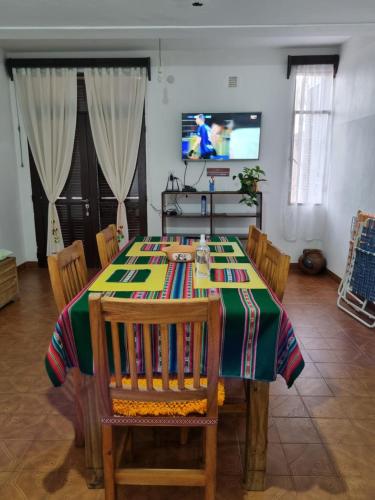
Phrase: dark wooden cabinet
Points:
(8, 281)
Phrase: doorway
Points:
(86, 204)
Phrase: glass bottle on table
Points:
(202, 259)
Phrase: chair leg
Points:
(108, 462)
(130, 443)
(211, 444)
(184, 435)
(156, 436)
(79, 419)
(204, 444)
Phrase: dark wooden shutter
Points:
(69, 204)
(136, 203)
(108, 205)
(107, 202)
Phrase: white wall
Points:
(24, 180)
(352, 176)
(200, 83)
(11, 226)
(261, 88)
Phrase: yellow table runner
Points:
(153, 283)
(255, 280)
(136, 249)
(237, 250)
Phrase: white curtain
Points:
(115, 98)
(305, 207)
(47, 99)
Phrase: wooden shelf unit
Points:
(211, 215)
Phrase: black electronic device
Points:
(171, 211)
(172, 183)
(189, 189)
(220, 136)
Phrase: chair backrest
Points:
(107, 244)
(68, 273)
(275, 268)
(131, 312)
(256, 244)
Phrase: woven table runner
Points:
(257, 340)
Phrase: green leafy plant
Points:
(249, 178)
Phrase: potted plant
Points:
(249, 178)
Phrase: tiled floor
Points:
(321, 432)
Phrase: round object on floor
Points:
(312, 261)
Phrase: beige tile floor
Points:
(321, 431)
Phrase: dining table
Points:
(257, 339)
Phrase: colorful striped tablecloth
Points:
(258, 341)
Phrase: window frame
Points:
(305, 61)
(310, 60)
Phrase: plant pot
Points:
(312, 261)
(254, 189)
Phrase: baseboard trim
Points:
(295, 267)
(334, 276)
(28, 264)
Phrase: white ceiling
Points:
(174, 44)
(137, 24)
(181, 13)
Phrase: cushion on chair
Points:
(131, 408)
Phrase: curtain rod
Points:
(131, 62)
(333, 59)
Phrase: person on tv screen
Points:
(202, 140)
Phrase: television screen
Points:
(220, 136)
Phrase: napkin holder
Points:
(179, 253)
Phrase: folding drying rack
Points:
(357, 288)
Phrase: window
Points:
(311, 132)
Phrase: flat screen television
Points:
(220, 136)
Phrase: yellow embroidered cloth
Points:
(130, 408)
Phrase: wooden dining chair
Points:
(107, 244)
(256, 244)
(162, 401)
(68, 275)
(275, 268)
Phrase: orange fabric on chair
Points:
(182, 408)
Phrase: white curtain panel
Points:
(305, 207)
(47, 99)
(115, 98)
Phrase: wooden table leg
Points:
(257, 396)
(79, 423)
(93, 435)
